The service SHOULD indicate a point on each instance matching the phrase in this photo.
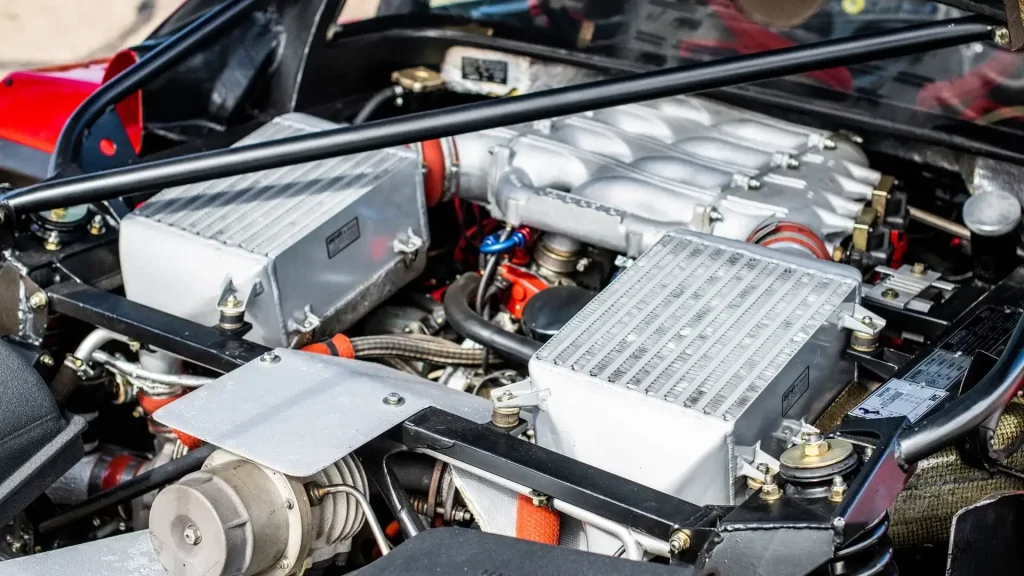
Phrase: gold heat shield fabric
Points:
(942, 484)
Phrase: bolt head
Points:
(394, 399)
(890, 294)
(538, 498)
(679, 541)
(1001, 36)
(232, 301)
(270, 358)
(282, 564)
(815, 448)
(46, 360)
(506, 396)
(192, 535)
(828, 144)
(918, 269)
(37, 300)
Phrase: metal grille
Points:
(265, 212)
(698, 323)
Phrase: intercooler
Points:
(302, 248)
(691, 359)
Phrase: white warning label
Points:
(899, 398)
(940, 369)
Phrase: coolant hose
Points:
(969, 411)
(471, 325)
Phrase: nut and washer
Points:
(270, 358)
(394, 399)
(38, 300)
(539, 499)
(770, 491)
(192, 535)
(679, 541)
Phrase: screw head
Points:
(282, 564)
(270, 358)
(538, 498)
(679, 541)
(96, 225)
(192, 535)
(46, 360)
(506, 396)
(918, 269)
(753, 184)
(828, 144)
(37, 300)
(394, 399)
(890, 294)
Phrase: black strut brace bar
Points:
(210, 347)
(720, 73)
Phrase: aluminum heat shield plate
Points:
(307, 411)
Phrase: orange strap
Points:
(339, 345)
(536, 523)
(433, 179)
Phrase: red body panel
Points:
(35, 104)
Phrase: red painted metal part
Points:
(525, 285)
(35, 104)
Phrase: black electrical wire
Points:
(433, 124)
(130, 489)
(376, 101)
(469, 324)
(995, 390)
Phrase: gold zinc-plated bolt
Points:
(919, 269)
(890, 294)
(837, 490)
(679, 541)
(37, 300)
(770, 491)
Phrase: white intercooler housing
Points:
(693, 356)
(307, 247)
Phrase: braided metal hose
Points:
(416, 347)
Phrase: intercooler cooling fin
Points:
(691, 356)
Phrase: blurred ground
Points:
(42, 32)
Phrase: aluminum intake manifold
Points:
(620, 178)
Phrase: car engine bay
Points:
(419, 326)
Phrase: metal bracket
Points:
(521, 394)
(853, 316)
(900, 288)
(409, 246)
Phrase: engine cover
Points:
(692, 357)
(307, 247)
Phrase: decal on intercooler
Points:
(342, 238)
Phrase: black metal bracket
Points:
(633, 505)
(210, 347)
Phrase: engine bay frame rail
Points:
(633, 505)
(211, 347)
(491, 114)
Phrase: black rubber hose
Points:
(415, 347)
(469, 324)
(969, 411)
(130, 489)
(375, 102)
(493, 113)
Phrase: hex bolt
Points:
(282, 564)
(37, 300)
(792, 163)
(232, 301)
(45, 360)
(192, 535)
(890, 294)
(679, 541)
(394, 399)
(837, 490)
(753, 184)
(770, 491)
(270, 358)
(919, 269)
(52, 241)
(828, 144)
(97, 226)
